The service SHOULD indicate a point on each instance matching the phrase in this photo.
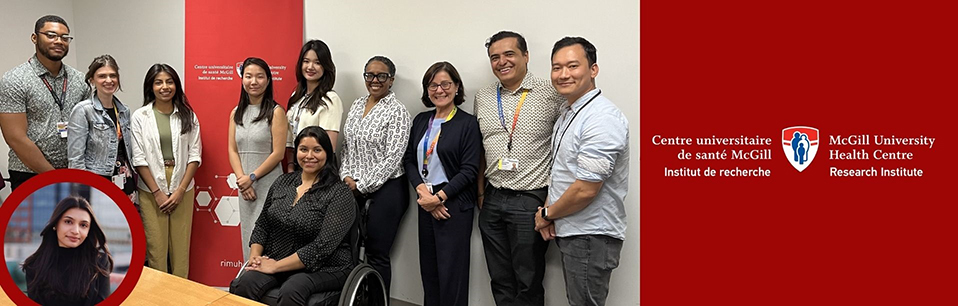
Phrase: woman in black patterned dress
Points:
(300, 242)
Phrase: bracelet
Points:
(155, 191)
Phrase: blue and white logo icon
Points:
(800, 144)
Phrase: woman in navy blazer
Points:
(442, 162)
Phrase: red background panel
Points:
(221, 32)
(798, 238)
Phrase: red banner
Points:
(220, 34)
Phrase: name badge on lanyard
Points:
(62, 128)
(119, 180)
(61, 125)
(509, 164)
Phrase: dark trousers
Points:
(515, 252)
(388, 207)
(444, 255)
(295, 287)
(587, 264)
(17, 178)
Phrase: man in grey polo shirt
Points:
(586, 208)
(36, 99)
(516, 115)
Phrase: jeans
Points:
(587, 263)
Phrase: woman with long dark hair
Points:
(314, 103)
(300, 242)
(443, 171)
(72, 266)
(166, 154)
(256, 121)
(100, 140)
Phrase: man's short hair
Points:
(569, 41)
(49, 18)
(521, 41)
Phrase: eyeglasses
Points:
(66, 38)
(382, 77)
(446, 85)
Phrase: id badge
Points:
(62, 128)
(429, 186)
(119, 180)
(508, 164)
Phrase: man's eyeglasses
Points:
(382, 77)
(53, 36)
(446, 85)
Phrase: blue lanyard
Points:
(515, 117)
(427, 147)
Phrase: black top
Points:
(316, 227)
(99, 288)
(459, 148)
(121, 160)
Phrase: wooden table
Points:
(158, 288)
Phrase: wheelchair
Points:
(364, 286)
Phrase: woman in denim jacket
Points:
(99, 139)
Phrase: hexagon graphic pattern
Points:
(227, 211)
(203, 198)
(231, 181)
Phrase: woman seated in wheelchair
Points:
(300, 243)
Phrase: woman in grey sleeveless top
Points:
(257, 141)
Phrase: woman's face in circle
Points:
(72, 228)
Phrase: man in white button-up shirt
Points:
(589, 176)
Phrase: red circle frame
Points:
(100, 183)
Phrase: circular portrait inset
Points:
(69, 243)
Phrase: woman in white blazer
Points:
(166, 154)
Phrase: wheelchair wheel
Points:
(364, 287)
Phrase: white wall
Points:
(17, 18)
(415, 34)
(137, 34)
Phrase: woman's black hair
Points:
(103, 61)
(326, 81)
(266, 108)
(453, 74)
(329, 174)
(385, 60)
(179, 98)
(74, 283)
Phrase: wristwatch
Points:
(252, 177)
(545, 214)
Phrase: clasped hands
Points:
(245, 185)
(168, 203)
(263, 264)
(545, 228)
(431, 203)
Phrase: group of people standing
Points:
(541, 160)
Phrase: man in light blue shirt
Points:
(586, 208)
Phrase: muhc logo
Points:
(800, 144)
